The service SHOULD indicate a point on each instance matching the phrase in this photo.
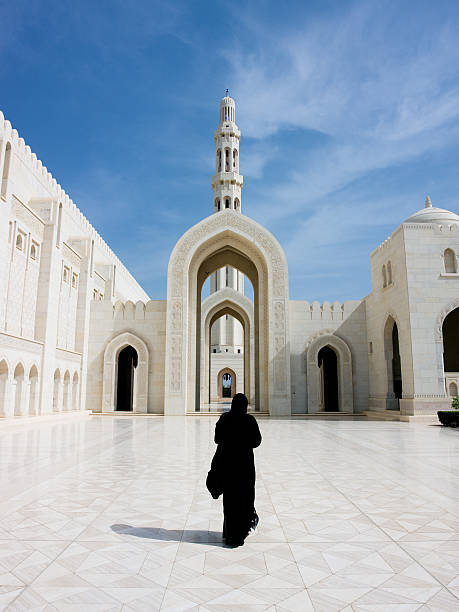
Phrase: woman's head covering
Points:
(239, 404)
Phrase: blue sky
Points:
(349, 113)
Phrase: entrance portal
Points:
(127, 362)
(328, 364)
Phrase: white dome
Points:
(432, 214)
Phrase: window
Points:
(6, 170)
(452, 389)
(217, 203)
(370, 348)
(20, 239)
(59, 225)
(66, 275)
(219, 160)
(227, 160)
(94, 294)
(236, 204)
(450, 261)
(384, 276)
(214, 350)
(34, 251)
(227, 202)
(74, 280)
(389, 273)
(238, 350)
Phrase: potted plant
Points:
(450, 418)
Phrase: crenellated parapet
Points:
(327, 311)
(139, 311)
(52, 188)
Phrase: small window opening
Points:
(20, 242)
(450, 261)
(33, 252)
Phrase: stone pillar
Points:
(25, 396)
(60, 395)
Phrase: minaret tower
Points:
(227, 333)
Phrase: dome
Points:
(432, 214)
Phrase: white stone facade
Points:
(78, 332)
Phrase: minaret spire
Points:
(227, 182)
(227, 335)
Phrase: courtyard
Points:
(112, 513)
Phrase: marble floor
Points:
(111, 513)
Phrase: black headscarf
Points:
(239, 404)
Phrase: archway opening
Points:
(328, 364)
(33, 397)
(125, 379)
(393, 365)
(3, 387)
(56, 391)
(66, 391)
(19, 389)
(75, 392)
(230, 259)
(226, 385)
(451, 352)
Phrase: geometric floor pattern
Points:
(111, 513)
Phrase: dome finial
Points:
(227, 92)
(428, 203)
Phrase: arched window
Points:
(219, 160)
(236, 204)
(389, 273)
(59, 226)
(6, 169)
(452, 389)
(450, 261)
(33, 252)
(235, 160)
(217, 203)
(227, 202)
(384, 276)
(227, 160)
(19, 242)
(450, 330)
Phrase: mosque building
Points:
(78, 333)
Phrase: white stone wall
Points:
(147, 321)
(345, 320)
(44, 319)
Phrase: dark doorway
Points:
(328, 364)
(396, 364)
(127, 361)
(226, 385)
(451, 342)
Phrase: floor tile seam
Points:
(397, 544)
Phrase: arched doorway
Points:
(57, 391)
(393, 364)
(227, 239)
(226, 384)
(229, 302)
(125, 378)
(33, 397)
(66, 392)
(327, 361)
(329, 374)
(450, 329)
(137, 380)
(75, 392)
(18, 383)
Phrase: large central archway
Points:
(227, 238)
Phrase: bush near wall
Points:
(450, 418)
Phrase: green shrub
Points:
(455, 402)
(450, 418)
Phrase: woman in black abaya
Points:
(237, 434)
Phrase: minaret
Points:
(227, 333)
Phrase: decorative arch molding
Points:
(214, 237)
(227, 301)
(343, 352)
(220, 381)
(438, 332)
(111, 353)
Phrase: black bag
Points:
(214, 480)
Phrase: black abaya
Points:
(237, 434)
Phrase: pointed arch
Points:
(109, 384)
(344, 366)
(5, 387)
(231, 239)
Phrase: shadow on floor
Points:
(195, 536)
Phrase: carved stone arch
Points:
(232, 302)
(438, 331)
(111, 353)
(220, 375)
(345, 386)
(227, 238)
